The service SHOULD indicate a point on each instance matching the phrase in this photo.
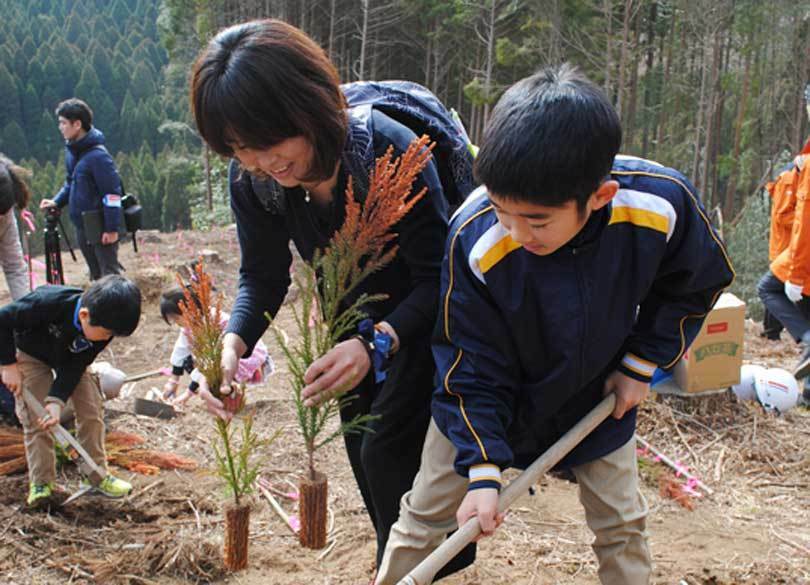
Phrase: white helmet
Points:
(745, 389)
(110, 379)
(777, 389)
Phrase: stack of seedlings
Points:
(123, 449)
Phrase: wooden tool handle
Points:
(63, 437)
(427, 569)
(136, 377)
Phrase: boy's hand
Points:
(109, 238)
(338, 371)
(52, 413)
(46, 203)
(12, 379)
(629, 392)
(484, 504)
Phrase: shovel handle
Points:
(424, 572)
(63, 436)
(143, 376)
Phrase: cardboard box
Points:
(714, 359)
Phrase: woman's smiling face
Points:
(286, 162)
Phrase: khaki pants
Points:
(39, 450)
(615, 511)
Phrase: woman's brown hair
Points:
(263, 81)
(16, 177)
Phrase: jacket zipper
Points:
(583, 311)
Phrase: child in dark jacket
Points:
(60, 330)
(571, 274)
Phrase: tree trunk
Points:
(428, 51)
(663, 119)
(650, 62)
(312, 505)
(633, 98)
(331, 45)
(607, 9)
(209, 193)
(237, 530)
(697, 144)
(711, 106)
(490, 62)
(731, 188)
(628, 7)
(361, 72)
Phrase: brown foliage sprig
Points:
(201, 315)
(364, 244)
(202, 320)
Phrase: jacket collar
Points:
(592, 230)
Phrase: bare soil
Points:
(754, 529)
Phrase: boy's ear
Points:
(604, 194)
(84, 313)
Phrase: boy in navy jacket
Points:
(572, 273)
(47, 340)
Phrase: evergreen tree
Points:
(36, 76)
(177, 180)
(120, 14)
(73, 28)
(14, 140)
(48, 140)
(9, 99)
(31, 108)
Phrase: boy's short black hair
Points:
(114, 303)
(552, 138)
(75, 109)
(170, 300)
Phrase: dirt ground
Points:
(755, 528)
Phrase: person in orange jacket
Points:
(783, 207)
(785, 288)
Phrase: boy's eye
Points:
(537, 226)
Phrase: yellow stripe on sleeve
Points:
(497, 253)
(641, 218)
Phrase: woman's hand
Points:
(233, 347)
(338, 371)
(223, 409)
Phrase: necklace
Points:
(307, 198)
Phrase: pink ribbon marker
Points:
(295, 523)
(28, 218)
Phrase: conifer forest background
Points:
(713, 88)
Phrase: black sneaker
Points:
(803, 368)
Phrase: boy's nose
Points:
(520, 233)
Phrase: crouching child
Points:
(48, 338)
(251, 370)
(572, 273)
